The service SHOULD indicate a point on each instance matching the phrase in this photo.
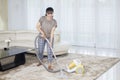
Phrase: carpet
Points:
(95, 66)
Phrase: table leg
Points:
(0, 66)
(19, 59)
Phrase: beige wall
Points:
(3, 14)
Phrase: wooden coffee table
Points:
(19, 57)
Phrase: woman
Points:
(46, 27)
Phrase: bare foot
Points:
(39, 64)
(50, 67)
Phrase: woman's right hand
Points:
(43, 36)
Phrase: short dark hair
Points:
(49, 9)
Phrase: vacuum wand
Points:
(37, 54)
(61, 70)
(51, 48)
(53, 53)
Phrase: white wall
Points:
(33, 9)
(3, 14)
(17, 15)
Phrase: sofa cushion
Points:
(59, 49)
(25, 35)
(2, 44)
(7, 35)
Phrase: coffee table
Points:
(19, 57)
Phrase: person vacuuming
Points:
(46, 27)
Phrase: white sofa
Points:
(26, 39)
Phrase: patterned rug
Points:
(95, 66)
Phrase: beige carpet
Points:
(95, 66)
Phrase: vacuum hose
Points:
(37, 52)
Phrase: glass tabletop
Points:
(13, 51)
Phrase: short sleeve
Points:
(55, 24)
(41, 20)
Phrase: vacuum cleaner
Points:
(74, 66)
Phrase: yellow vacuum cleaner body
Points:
(75, 66)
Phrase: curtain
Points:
(89, 23)
(84, 23)
(107, 26)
